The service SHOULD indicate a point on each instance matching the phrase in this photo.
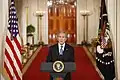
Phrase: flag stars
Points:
(16, 30)
(12, 2)
(13, 35)
(9, 22)
(13, 58)
(13, 23)
(14, 17)
(108, 24)
(103, 62)
(12, 8)
(14, 12)
(13, 30)
(15, 26)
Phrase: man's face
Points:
(61, 38)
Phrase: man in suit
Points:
(61, 52)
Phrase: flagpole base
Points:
(41, 43)
(85, 43)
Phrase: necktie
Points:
(61, 50)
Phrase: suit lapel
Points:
(65, 49)
(57, 50)
(64, 52)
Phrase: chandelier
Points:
(60, 2)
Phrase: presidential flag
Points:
(12, 56)
(104, 49)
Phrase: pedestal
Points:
(85, 14)
(39, 15)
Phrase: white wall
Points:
(34, 5)
(93, 20)
(112, 19)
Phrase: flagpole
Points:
(27, 16)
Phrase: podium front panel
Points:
(46, 67)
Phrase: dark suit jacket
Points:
(68, 56)
(53, 54)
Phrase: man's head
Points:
(61, 37)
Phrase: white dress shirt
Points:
(59, 46)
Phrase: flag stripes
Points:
(16, 43)
(17, 52)
(13, 51)
(8, 70)
(12, 60)
(9, 65)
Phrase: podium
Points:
(48, 67)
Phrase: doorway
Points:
(62, 17)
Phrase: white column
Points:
(22, 19)
(3, 24)
(39, 15)
(93, 20)
(114, 18)
(33, 6)
(118, 38)
(42, 6)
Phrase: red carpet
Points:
(85, 70)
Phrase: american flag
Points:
(12, 60)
